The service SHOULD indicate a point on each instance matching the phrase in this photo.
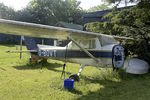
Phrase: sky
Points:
(19, 4)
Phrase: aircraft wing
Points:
(44, 31)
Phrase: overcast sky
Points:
(19, 4)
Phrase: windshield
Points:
(86, 44)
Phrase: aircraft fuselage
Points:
(71, 53)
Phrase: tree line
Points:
(47, 12)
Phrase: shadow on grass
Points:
(47, 65)
(128, 88)
(7, 45)
(75, 91)
(2, 69)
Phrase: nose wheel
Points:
(75, 77)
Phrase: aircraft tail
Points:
(30, 43)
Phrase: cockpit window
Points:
(86, 44)
(107, 40)
(92, 44)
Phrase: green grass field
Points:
(22, 81)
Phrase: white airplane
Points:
(85, 48)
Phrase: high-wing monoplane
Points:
(85, 48)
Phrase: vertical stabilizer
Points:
(30, 43)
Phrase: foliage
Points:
(45, 12)
(133, 22)
(117, 2)
(51, 11)
(6, 12)
(98, 8)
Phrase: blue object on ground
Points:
(68, 83)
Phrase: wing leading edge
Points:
(44, 31)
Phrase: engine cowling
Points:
(118, 56)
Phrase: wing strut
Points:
(86, 51)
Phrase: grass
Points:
(22, 81)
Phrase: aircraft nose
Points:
(118, 56)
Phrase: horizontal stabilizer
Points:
(22, 51)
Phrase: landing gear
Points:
(76, 76)
(36, 59)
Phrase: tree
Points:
(51, 11)
(6, 12)
(133, 22)
(117, 2)
(98, 8)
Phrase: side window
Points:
(86, 44)
(92, 44)
(106, 40)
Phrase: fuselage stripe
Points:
(74, 54)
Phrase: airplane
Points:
(85, 48)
